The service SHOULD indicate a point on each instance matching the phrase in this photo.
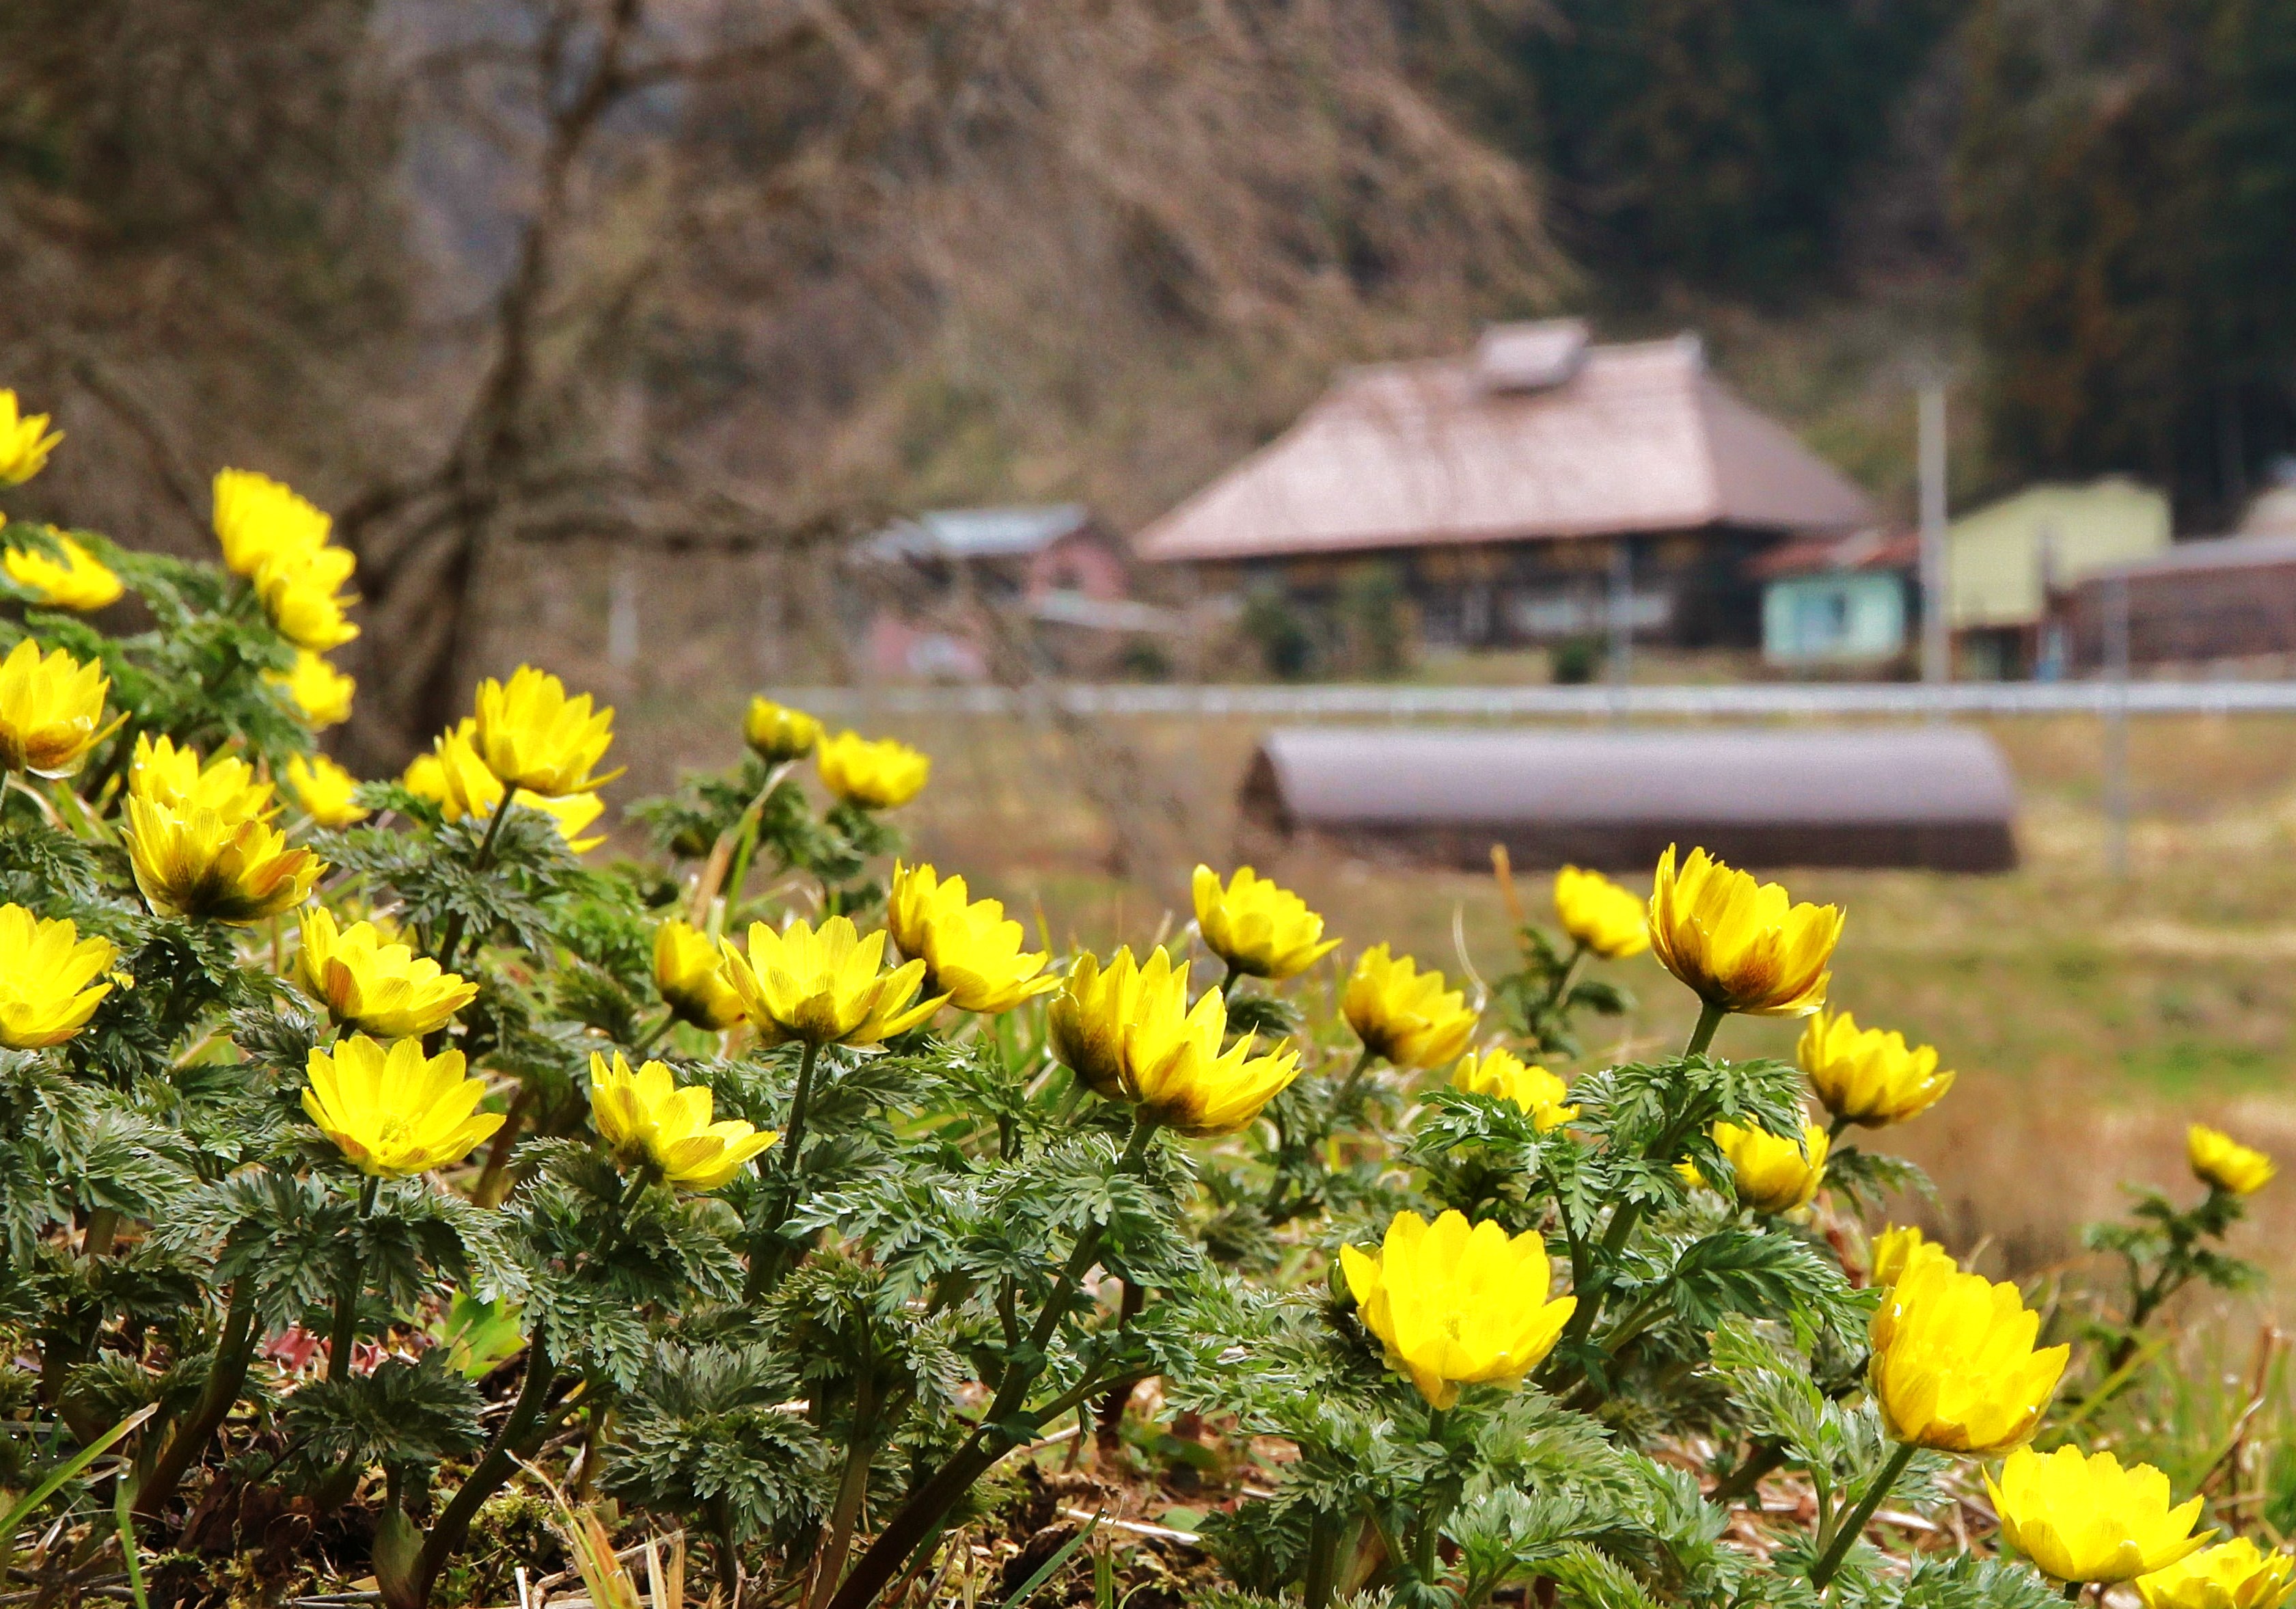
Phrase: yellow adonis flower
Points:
(777, 732)
(320, 691)
(971, 951)
(1610, 921)
(531, 735)
(393, 1112)
(1869, 1076)
(1087, 1021)
(1260, 929)
(367, 982)
(454, 775)
(51, 711)
(1502, 1075)
(166, 775)
(1775, 1174)
(25, 442)
(195, 863)
(1953, 1367)
(648, 1121)
(825, 987)
(2222, 1162)
(1127, 1032)
(1741, 945)
(1405, 1015)
(1896, 1250)
(685, 971)
(47, 979)
(257, 520)
(881, 776)
(300, 592)
(77, 580)
(1456, 1306)
(2237, 1574)
(2086, 1519)
(324, 790)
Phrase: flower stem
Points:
(1709, 1018)
(764, 1260)
(920, 1517)
(345, 1333)
(1853, 1525)
(479, 861)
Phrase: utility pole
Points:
(1937, 646)
(2116, 727)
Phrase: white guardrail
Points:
(1372, 700)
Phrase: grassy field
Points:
(2089, 1016)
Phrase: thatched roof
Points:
(1534, 435)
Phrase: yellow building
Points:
(2004, 560)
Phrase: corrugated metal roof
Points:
(1639, 437)
(980, 533)
(1937, 797)
(2221, 553)
(1380, 775)
(1823, 556)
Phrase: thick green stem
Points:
(1853, 1525)
(479, 863)
(497, 1466)
(763, 1259)
(1437, 1507)
(920, 1516)
(1628, 1214)
(851, 1488)
(234, 1349)
(1324, 1537)
(1761, 1458)
(344, 1334)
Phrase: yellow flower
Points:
(1405, 1015)
(172, 776)
(685, 971)
(324, 790)
(78, 580)
(1454, 1306)
(425, 777)
(1896, 1250)
(1174, 1069)
(299, 592)
(25, 442)
(2237, 1574)
(258, 518)
(47, 979)
(824, 988)
(1260, 929)
(1502, 1075)
(1775, 1174)
(2222, 1162)
(198, 864)
(382, 987)
(393, 1113)
(51, 711)
(777, 732)
(1739, 944)
(1869, 1076)
(454, 775)
(320, 691)
(881, 775)
(971, 952)
(1087, 1020)
(2086, 1519)
(648, 1121)
(1952, 1363)
(533, 736)
(1597, 913)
